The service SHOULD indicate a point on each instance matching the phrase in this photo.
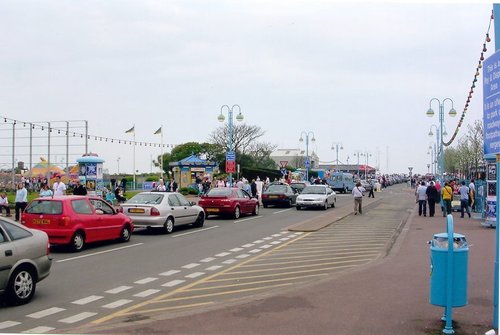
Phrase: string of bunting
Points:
(89, 137)
(471, 91)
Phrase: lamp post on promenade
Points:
(367, 154)
(230, 155)
(357, 154)
(337, 146)
(430, 113)
(308, 162)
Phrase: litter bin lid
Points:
(440, 241)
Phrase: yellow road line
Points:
(263, 264)
(180, 289)
(310, 256)
(172, 308)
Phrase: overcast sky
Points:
(357, 73)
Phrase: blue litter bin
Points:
(439, 273)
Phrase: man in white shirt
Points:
(59, 187)
(357, 193)
(421, 195)
(4, 203)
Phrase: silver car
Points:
(316, 196)
(163, 210)
(24, 261)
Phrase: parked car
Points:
(279, 195)
(366, 185)
(162, 210)
(24, 262)
(77, 220)
(228, 201)
(316, 196)
(299, 185)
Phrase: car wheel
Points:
(333, 203)
(266, 205)
(256, 210)
(169, 225)
(325, 207)
(125, 234)
(78, 241)
(200, 220)
(21, 287)
(289, 204)
(237, 212)
(298, 207)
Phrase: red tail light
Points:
(154, 212)
(64, 221)
(265, 196)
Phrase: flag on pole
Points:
(130, 131)
(158, 131)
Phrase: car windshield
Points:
(146, 198)
(298, 186)
(219, 192)
(314, 190)
(276, 189)
(44, 207)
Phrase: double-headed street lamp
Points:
(230, 155)
(308, 161)
(367, 154)
(357, 154)
(337, 146)
(430, 113)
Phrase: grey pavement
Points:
(387, 296)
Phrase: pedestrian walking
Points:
(358, 194)
(173, 185)
(4, 203)
(472, 195)
(446, 195)
(421, 199)
(59, 187)
(464, 199)
(21, 200)
(371, 194)
(432, 198)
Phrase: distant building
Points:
(295, 158)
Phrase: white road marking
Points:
(78, 317)
(276, 235)
(190, 266)
(169, 273)
(195, 274)
(119, 289)
(229, 261)
(213, 267)
(284, 232)
(195, 231)
(284, 239)
(257, 242)
(45, 312)
(87, 300)
(275, 242)
(236, 249)
(7, 324)
(267, 238)
(208, 259)
(39, 330)
(284, 210)
(117, 303)
(266, 246)
(146, 293)
(248, 245)
(98, 253)
(173, 283)
(254, 251)
(248, 219)
(145, 280)
(243, 256)
(223, 254)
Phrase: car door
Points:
(84, 217)
(245, 202)
(188, 211)
(330, 195)
(176, 209)
(109, 224)
(292, 194)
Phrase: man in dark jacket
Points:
(79, 189)
(432, 197)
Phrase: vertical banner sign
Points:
(230, 162)
(491, 121)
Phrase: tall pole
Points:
(239, 118)
(133, 157)
(161, 152)
(308, 162)
(67, 149)
(48, 154)
(13, 155)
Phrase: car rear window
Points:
(219, 192)
(44, 207)
(277, 188)
(15, 232)
(314, 190)
(146, 198)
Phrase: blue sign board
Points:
(230, 156)
(491, 104)
(308, 164)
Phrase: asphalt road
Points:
(108, 277)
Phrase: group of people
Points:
(431, 193)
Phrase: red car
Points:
(77, 220)
(228, 201)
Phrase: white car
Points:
(163, 210)
(316, 196)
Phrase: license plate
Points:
(136, 210)
(41, 221)
(212, 210)
(273, 197)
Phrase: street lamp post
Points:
(230, 156)
(118, 162)
(308, 162)
(430, 113)
(357, 154)
(337, 146)
(367, 154)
